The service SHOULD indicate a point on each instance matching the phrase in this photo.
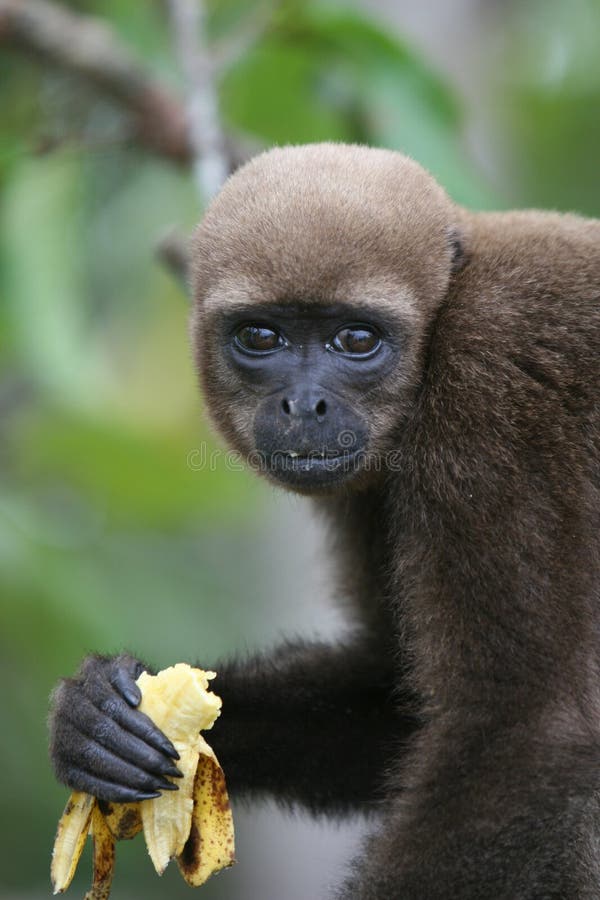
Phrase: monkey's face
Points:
(302, 383)
(312, 394)
(316, 274)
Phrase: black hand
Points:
(99, 742)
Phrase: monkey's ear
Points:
(457, 249)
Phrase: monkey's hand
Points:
(100, 743)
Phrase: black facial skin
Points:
(310, 370)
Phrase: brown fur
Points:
(477, 560)
(465, 704)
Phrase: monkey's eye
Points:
(355, 340)
(258, 339)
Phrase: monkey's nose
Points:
(304, 407)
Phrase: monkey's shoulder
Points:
(528, 274)
(535, 250)
(522, 320)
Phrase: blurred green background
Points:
(109, 537)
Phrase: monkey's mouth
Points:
(315, 455)
(317, 468)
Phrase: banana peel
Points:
(194, 824)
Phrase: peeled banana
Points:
(193, 824)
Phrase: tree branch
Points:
(91, 49)
(210, 163)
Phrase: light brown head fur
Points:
(314, 224)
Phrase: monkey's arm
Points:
(315, 723)
(312, 722)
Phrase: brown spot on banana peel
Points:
(210, 845)
(123, 819)
(189, 856)
(104, 857)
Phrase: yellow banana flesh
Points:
(193, 824)
(180, 704)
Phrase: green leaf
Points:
(272, 93)
(324, 73)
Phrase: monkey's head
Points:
(316, 273)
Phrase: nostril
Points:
(321, 408)
(285, 407)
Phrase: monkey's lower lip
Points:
(317, 468)
(332, 458)
(317, 455)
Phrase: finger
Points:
(120, 671)
(88, 755)
(105, 699)
(105, 731)
(126, 686)
(126, 670)
(143, 727)
(107, 790)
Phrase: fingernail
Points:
(169, 749)
(173, 771)
(148, 796)
(169, 786)
(132, 697)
